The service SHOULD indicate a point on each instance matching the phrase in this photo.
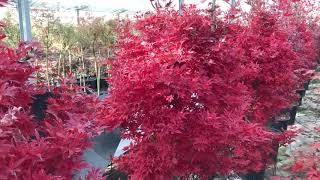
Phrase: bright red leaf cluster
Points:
(196, 98)
(179, 91)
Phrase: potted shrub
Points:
(174, 94)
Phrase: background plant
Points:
(51, 148)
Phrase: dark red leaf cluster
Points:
(48, 149)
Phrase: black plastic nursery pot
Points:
(306, 84)
(293, 113)
(301, 92)
(255, 175)
(280, 126)
(40, 104)
(299, 101)
(280, 122)
(92, 83)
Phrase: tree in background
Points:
(68, 48)
(45, 28)
(65, 37)
(11, 30)
(101, 37)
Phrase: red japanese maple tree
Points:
(178, 93)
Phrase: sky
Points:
(111, 5)
(133, 5)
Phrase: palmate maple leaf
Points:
(9, 118)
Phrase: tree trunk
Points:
(96, 72)
(96, 67)
(47, 66)
(80, 80)
(98, 79)
(70, 64)
(59, 64)
(83, 70)
(37, 72)
(70, 61)
(64, 66)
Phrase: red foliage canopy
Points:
(178, 92)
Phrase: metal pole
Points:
(24, 20)
(78, 9)
(78, 16)
(233, 3)
(181, 2)
(213, 8)
(213, 17)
